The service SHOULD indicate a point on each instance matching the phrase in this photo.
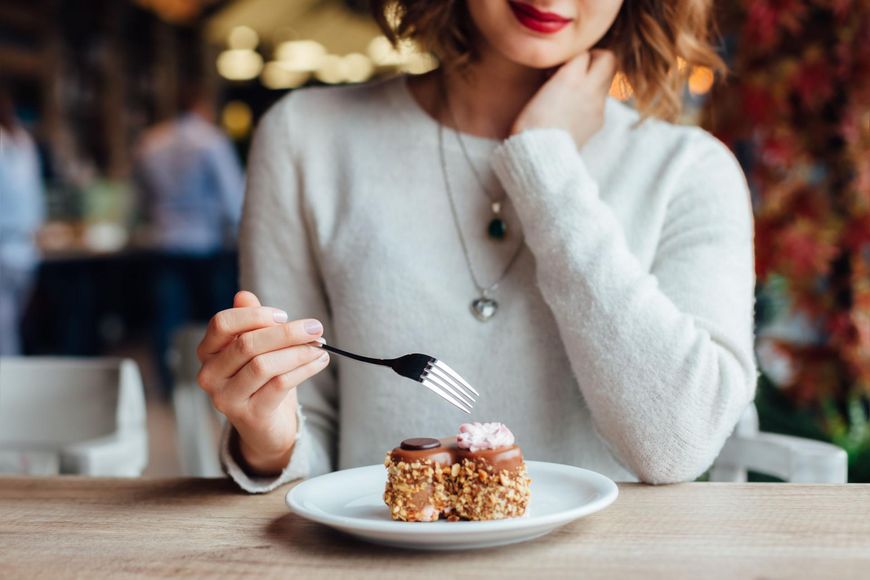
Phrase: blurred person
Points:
(21, 214)
(191, 185)
(587, 265)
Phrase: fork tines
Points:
(449, 385)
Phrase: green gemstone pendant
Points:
(497, 229)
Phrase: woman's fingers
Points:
(256, 342)
(573, 70)
(227, 324)
(273, 393)
(602, 67)
(595, 67)
(260, 370)
(243, 299)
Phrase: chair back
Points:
(72, 410)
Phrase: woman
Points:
(608, 261)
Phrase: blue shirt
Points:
(192, 185)
(21, 201)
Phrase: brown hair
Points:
(656, 42)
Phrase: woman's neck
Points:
(485, 99)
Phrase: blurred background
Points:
(124, 125)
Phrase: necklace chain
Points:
(484, 290)
(495, 202)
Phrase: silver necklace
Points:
(484, 306)
(496, 229)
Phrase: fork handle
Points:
(375, 361)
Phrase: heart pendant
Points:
(484, 308)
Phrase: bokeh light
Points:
(383, 53)
(277, 76)
(301, 55)
(239, 64)
(237, 119)
(357, 67)
(701, 80)
(243, 37)
(420, 63)
(332, 69)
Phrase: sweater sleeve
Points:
(663, 357)
(279, 264)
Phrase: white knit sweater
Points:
(623, 341)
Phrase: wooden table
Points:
(61, 527)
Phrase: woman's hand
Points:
(252, 361)
(573, 98)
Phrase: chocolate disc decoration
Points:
(420, 443)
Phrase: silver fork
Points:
(434, 374)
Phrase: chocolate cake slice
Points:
(477, 475)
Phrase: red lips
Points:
(538, 20)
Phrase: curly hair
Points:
(656, 42)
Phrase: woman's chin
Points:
(538, 57)
(542, 64)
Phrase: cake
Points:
(477, 475)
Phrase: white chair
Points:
(72, 416)
(195, 419)
(792, 459)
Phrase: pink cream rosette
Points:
(480, 436)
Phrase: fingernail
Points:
(313, 327)
(279, 315)
(324, 357)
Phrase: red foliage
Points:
(799, 100)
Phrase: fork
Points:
(432, 373)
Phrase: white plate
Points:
(352, 501)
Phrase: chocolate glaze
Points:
(448, 453)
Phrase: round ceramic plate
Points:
(352, 501)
